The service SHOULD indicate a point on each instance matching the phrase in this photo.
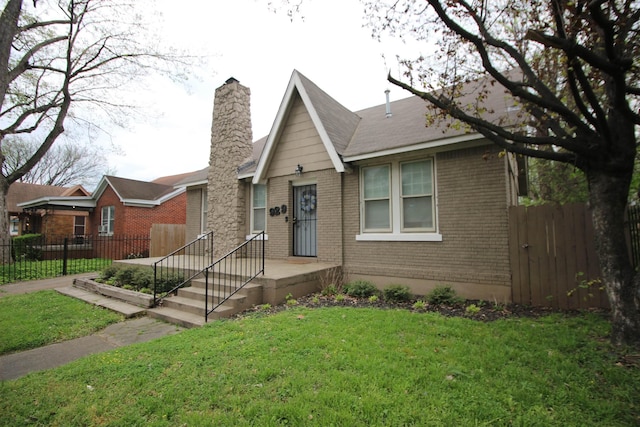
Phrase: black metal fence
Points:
(633, 219)
(37, 256)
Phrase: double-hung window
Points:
(398, 201)
(108, 220)
(258, 208)
(376, 191)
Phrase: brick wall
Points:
(132, 220)
(473, 256)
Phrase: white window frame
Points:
(255, 232)
(364, 200)
(108, 220)
(397, 233)
(204, 206)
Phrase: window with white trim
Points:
(376, 195)
(204, 203)
(108, 220)
(398, 201)
(258, 208)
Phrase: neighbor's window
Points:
(108, 220)
(376, 192)
(259, 208)
(79, 225)
(417, 195)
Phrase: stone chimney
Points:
(231, 144)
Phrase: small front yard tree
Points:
(573, 67)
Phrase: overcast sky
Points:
(259, 48)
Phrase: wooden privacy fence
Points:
(553, 259)
(166, 238)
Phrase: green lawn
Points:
(35, 270)
(33, 320)
(344, 367)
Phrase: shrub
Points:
(142, 278)
(340, 297)
(109, 272)
(25, 247)
(373, 298)
(443, 295)
(360, 289)
(330, 290)
(472, 309)
(396, 293)
(419, 305)
(124, 276)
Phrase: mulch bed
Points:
(481, 310)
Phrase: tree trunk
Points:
(5, 234)
(608, 200)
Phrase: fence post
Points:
(65, 255)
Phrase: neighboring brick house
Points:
(44, 220)
(376, 191)
(121, 206)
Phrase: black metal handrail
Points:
(225, 277)
(178, 268)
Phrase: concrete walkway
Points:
(133, 330)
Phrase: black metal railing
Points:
(225, 277)
(39, 256)
(177, 269)
(633, 221)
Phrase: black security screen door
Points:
(305, 205)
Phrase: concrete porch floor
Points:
(295, 276)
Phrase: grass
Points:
(35, 270)
(343, 367)
(33, 320)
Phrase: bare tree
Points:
(67, 61)
(573, 66)
(63, 165)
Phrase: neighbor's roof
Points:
(20, 192)
(131, 192)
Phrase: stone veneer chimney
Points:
(231, 144)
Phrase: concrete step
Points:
(198, 294)
(176, 317)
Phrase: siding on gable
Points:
(299, 143)
(472, 213)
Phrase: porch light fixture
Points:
(298, 170)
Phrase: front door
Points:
(305, 218)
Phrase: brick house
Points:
(121, 206)
(376, 191)
(44, 221)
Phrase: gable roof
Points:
(334, 123)
(350, 136)
(130, 192)
(20, 192)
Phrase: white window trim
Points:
(204, 207)
(109, 231)
(255, 232)
(396, 235)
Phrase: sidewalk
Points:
(133, 330)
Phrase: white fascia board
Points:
(71, 202)
(246, 175)
(192, 184)
(265, 158)
(266, 155)
(441, 143)
(324, 137)
(151, 203)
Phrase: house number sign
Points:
(278, 210)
